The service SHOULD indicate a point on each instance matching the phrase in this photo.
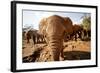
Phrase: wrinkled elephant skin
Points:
(55, 26)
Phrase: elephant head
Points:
(54, 28)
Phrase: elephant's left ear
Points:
(68, 21)
(68, 24)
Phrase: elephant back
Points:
(77, 27)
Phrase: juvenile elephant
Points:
(31, 35)
(86, 34)
(39, 37)
(35, 36)
(54, 28)
(77, 31)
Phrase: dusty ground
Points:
(73, 50)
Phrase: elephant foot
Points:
(61, 59)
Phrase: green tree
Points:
(86, 23)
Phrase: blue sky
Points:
(32, 18)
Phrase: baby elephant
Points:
(54, 27)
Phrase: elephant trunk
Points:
(56, 46)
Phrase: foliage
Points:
(86, 22)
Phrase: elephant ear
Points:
(68, 24)
(42, 25)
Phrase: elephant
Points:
(54, 27)
(39, 37)
(80, 32)
(35, 36)
(86, 34)
(77, 31)
(30, 35)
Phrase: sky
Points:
(32, 18)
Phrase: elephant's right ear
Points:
(42, 22)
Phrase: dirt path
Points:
(77, 46)
(73, 50)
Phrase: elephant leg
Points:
(27, 40)
(80, 35)
(61, 55)
(75, 37)
(33, 39)
(42, 39)
(37, 39)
